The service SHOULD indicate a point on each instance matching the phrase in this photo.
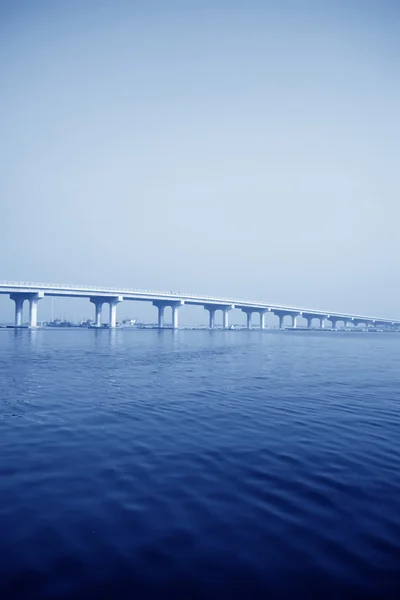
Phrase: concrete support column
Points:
(322, 322)
(113, 311)
(98, 305)
(174, 317)
(281, 319)
(161, 309)
(98, 309)
(18, 312)
(281, 316)
(249, 315)
(294, 321)
(33, 303)
(161, 305)
(309, 322)
(19, 300)
(113, 314)
(225, 318)
(334, 323)
(357, 323)
(225, 312)
(211, 317)
(262, 318)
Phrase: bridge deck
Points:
(81, 291)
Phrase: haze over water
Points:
(246, 149)
(199, 464)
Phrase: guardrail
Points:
(122, 291)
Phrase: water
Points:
(140, 464)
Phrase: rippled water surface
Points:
(199, 464)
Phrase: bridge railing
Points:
(67, 286)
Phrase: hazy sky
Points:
(246, 148)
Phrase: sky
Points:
(244, 148)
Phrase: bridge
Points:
(20, 292)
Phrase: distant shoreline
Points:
(196, 328)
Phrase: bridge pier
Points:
(162, 305)
(161, 310)
(113, 311)
(294, 319)
(358, 322)
(98, 309)
(112, 302)
(211, 311)
(225, 317)
(33, 305)
(249, 314)
(33, 302)
(281, 316)
(19, 305)
(98, 305)
(322, 322)
(19, 300)
(174, 316)
(333, 323)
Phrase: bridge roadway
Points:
(33, 292)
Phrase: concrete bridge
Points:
(21, 292)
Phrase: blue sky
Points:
(244, 148)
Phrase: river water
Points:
(222, 464)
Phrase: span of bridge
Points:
(33, 292)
